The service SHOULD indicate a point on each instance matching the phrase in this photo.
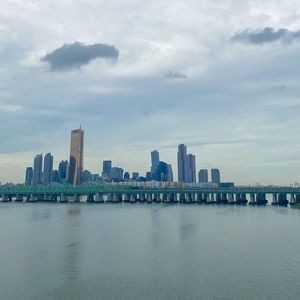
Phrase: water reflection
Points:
(72, 254)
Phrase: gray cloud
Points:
(266, 35)
(73, 56)
(174, 75)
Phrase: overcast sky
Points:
(221, 77)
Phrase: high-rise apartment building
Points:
(29, 176)
(182, 163)
(48, 168)
(203, 176)
(63, 169)
(37, 169)
(154, 161)
(76, 157)
(55, 176)
(191, 162)
(215, 176)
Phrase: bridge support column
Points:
(19, 198)
(275, 199)
(282, 200)
(32, 198)
(4, 198)
(252, 199)
(230, 199)
(212, 198)
(292, 199)
(205, 198)
(90, 198)
(149, 197)
(126, 197)
(182, 197)
(76, 198)
(142, 197)
(261, 199)
(243, 199)
(63, 198)
(237, 198)
(224, 199)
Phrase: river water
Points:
(144, 251)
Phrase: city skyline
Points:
(227, 89)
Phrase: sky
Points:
(221, 77)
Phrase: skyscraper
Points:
(55, 176)
(63, 169)
(191, 161)
(182, 163)
(170, 173)
(29, 176)
(126, 176)
(215, 176)
(106, 169)
(203, 176)
(48, 168)
(154, 161)
(76, 157)
(116, 174)
(135, 176)
(37, 169)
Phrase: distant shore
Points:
(297, 206)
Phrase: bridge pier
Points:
(293, 199)
(126, 197)
(142, 197)
(275, 199)
(261, 199)
(19, 198)
(149, 198)
(252, 199)
(230, 199)
(63, 198)
(282, 200)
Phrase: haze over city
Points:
(221, 78)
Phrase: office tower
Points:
(135, 176)
(126, 176)
(76, 157)
(215, 176)
(48, 168)
(96, 177)
(55, 176)
(87, 176)
(37, 169)
(203, 176)
(161, 173)
(191, 161)
(116, 174)
(182, 163)
(63, 169)
(29, 176)
(148, 176)
(170, 173)
(106, 170)
(154, 161)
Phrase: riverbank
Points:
(297, 206)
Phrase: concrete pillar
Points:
(63, 198)
(275, 199)
(243, 199)
(127, 197)
(230, 198)
(76, 198)
(32, 198)
(224, 198)
(205, 197)
(19, 198)
(142, 197)
(237, 198)
(164, 197)
(212, 198)
(282, 199)
(252, 199)
(109, 198)
(181, 197)
(261, 199)
(292, 199)
(149, 197)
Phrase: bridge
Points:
(108, 193)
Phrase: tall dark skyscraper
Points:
(154, 161)
(55, 176)
(76, 157)
(63, 169)
(116, 174)
(29, 176)
(203, 176)
(48, 168)
(135, 176)
(182, 163)
(191, 161)
(106, 170)
(215, 176)
(170, 173)
(37, 169)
